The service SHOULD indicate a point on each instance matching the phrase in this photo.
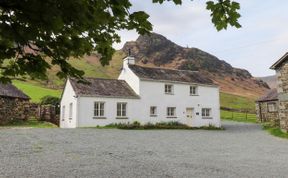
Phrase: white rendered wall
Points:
(129, 76)
(152, 94)
(68, 97)
(86, 111)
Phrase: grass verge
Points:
(238, 117)
(275, 131)
(33, 123)
(161, 125)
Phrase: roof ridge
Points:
(279, 61)
(163, 68)
(98, 78)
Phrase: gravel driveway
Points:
(242, 150)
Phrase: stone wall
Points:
(13, 109)
(48, 113)
(283, 115)
(282, 76)
(264, 115)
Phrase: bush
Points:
(52, 100)
(160, 125)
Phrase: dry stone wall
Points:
(13, 109)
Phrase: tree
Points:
(37, 34)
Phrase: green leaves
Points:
(33, 32)
(177, 2)
(224, 13)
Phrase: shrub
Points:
(55, 101)
(160, 125)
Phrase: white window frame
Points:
(121, 111)
(171, 112)
(70, 110)
(99, 109)
(169, 89)
(193, 90)
(273, 109)
(63, 113)
(153, 111)
(206, 113)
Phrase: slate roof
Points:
(103, 87)
(9, 90)
(162, 74)
(271, 95)
(279, 62)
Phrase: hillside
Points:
(156, 50)
(270, 80)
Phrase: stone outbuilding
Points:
(267, 107)
(14, 104)
(281, 68)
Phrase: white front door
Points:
(189, 116)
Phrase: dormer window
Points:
(169, 89)
(193, 90)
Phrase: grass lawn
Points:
(239, 117)
(35, 92)
(31, 123)
(275, 131)
(236, 102)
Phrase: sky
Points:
(261, 41)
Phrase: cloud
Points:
(255, 47)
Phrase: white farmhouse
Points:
(143, 94)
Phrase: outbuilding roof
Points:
(271, 95)
(9, 90)
(279, 62)
(162, 74)
(103, 88)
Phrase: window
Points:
(206, 112)
(63, 113)
(121, 109)
(70, 110)
(168, 89)
(99, 109)
(272, 107)
(153, 111)
(171, 112)
(193, 90)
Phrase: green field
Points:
(35, 92)
(236, 102)
(239, 117)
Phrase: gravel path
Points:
(242, 150)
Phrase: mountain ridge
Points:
(155, 50)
